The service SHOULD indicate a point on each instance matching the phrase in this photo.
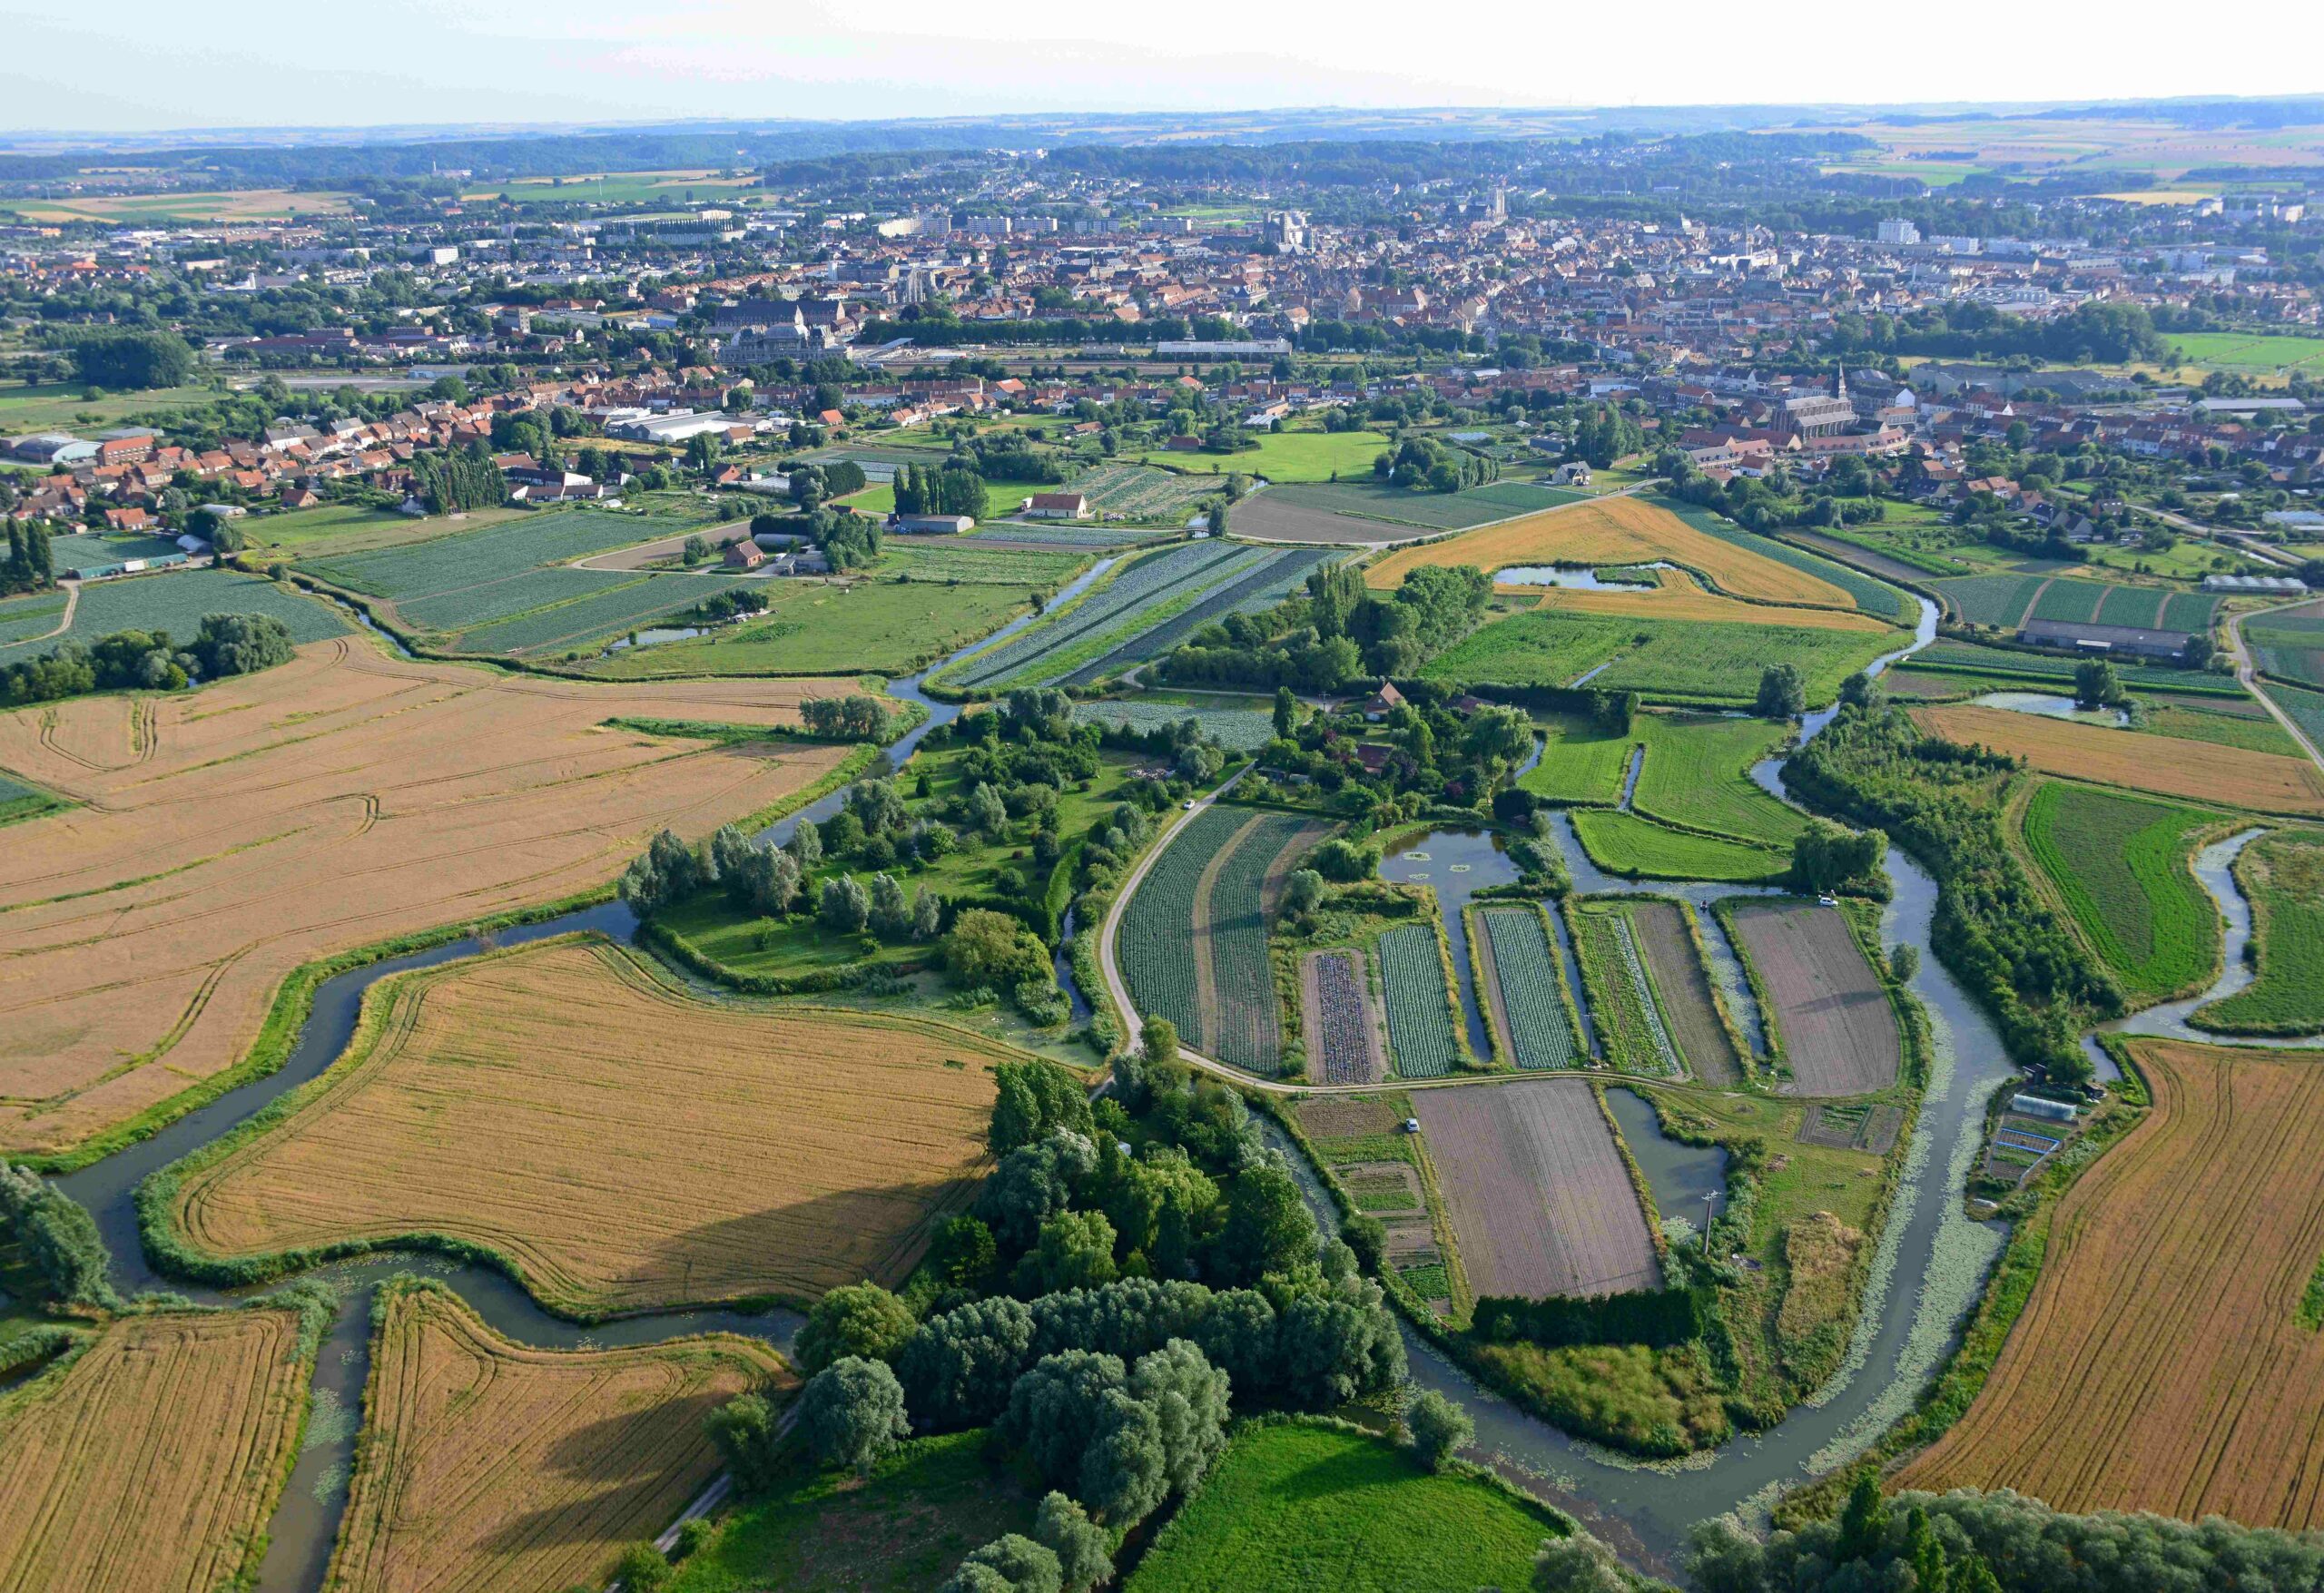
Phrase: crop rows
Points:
(1238, 730)
(1990, 600)
(1620, 999)
(1152, 580)
(469, 558)
(1231, 930)
(594, 618)
(1343, 1024)
(1968, 657)
(23, 618)
(1140, 492)
(1419, 1014)
(2121, 863)
(1263, 585)
(177, 601)
(1525, 967)
(1063, 535)
(2070, 602)
(472, 607)
(1158, 927)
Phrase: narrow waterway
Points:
(305, 1525)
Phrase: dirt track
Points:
(1540, 1199)
(1838, 1032)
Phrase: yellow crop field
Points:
(1682, 597)
(226, 837)
(486, 1466)
(2264, 782)
(1614, 531)
(623, 1143)
(2161, 1363)
(152, 1462)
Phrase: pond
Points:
(2051, 706)
(1680, 1176)
(656, 636)
(1573, 578)
(1456, 864)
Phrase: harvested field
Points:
(1837, 1030)
(2263, 782)
(152, 1462)
(2160, 1363)
(1682, 597)
(1536, 1189)
(229, 836)
(1345, 1042)
(624, 1144)
(486, 1466)
(1616, 530)
(1676, 967)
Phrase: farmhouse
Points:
(1056, 505)
(743, 555)
(2068, 637)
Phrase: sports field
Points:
(151, 1462)
(623, 1143)
(1614, 531)
(487, 1466)
(228, 836)
(2282, 875)
(1539, 1197)
(2264, 782)
(1827, 1008)
(2120, 862)
(2161, 1363)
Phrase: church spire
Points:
(1839, 378)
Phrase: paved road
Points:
(2246, 672)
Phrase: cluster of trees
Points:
(1604, 434)
(58, 1237)
(848, 540)
(1992, 927)
(1783, 695)
(925, 489)
(2003, 1542)
(856, 717)
(1826, 858)
(1422, 461)
(1003, 455)
(28, 567)
(452, 481)
(2103, 333)
(1337, 631)
(226, 645)
(131, 357)
(818, 484)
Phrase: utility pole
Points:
(1710, 1197)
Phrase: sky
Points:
(152, 65)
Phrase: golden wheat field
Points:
(486, 1467)
(2264, 782)
(227, 836)
(1682, 597)
(1615, 531)
(2159, 1364)
(624, 1144)
(152, 1463)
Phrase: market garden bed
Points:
(1826, 1008)
(1667, 940)
(1344, 1041)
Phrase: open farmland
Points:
(1674, 962)
(1640, 849)
(1582, 762)
(1697, 775)
(2289, 644)
(1371, 498)
(29, 619)
(487, 1466)
(1825, 1007)
(1139, 596)
(1679, 661)
(228, 836)
(1631, 1028)
(2054, 671)
(813, 628)
(1270, 517)
(1875, 597)
(1518, 968)
(1143, 493)
(2161, 1363)
(151, 1462)
(1259, 585)
(2283, 877)
(1677, 595)
(2199, 771)
(1616, 531)
(623, 1143)
(2121, 864)
(1194, 939)
(1344, 1044)
(174, 601)
(1296, 1508)
(1282, 456)
(1421, 1015)
(1238, 730)
(1540, 1199)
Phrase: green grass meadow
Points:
(2121, 864)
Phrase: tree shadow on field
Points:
(796, 1249)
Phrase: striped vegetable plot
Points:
(1155, 946)
(1419, 1012)
(1188, 568)
(1525, 970)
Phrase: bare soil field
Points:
(152, 1463)
(486, 1467)
(1345, 1043)
(1678, 968)
(229, 836)
(623, 1143)
(1268, 517)
(1839, 1034)
(2161, 1363)
(1539, 1197)
(2202, 771)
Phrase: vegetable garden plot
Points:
(1688, 1004)
(1142, 493)
(24, 618)
(175, 601)
(1837, 1031)
(1990, 600)
(1344, 1045)
(1535, 1187)
(1152, 581)
(1278, 573)
(2072, 601)
(1238, 730)
(473, 558)
(1420, 1007)
(1521, 966)
(1622, 999)
(1436, 511)
(2121, 864)
(1233, 904)
(1155, 941)
(592, 619)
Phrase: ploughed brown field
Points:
(2160, 1363)
(152, 1463)
(623, 1143)
(2202, 771)
(1839, 1033)
(227, 836)
(1540, 1198)
(486, 1467)
(1687, 1000)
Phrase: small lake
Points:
(657, 635)
(1572, 578)
(1679, 1174)
(2051, 706)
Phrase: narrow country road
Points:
(2246, 672)
(72, 601)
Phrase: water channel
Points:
(305, 1525)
